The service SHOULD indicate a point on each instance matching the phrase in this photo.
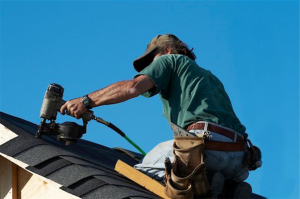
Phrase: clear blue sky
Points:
(252, 46)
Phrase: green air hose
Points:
(116, 129)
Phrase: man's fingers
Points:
(74, 112)
(72, 108)
(63, 109)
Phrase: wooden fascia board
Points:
(6, 179)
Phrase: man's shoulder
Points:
(177, 63)
(176, 59)
(175, 56)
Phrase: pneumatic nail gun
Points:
(67, 131)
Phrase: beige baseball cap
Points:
(146, 59)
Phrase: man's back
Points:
(190, 93)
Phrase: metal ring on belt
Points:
(216, 129)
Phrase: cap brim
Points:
(144, 60)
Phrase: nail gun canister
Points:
(70, 132)
(52, 101)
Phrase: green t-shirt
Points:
(190, 93)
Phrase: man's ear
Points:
(168, 50)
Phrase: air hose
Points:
(121, 133)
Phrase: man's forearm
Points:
(114, 93)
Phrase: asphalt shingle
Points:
(84, 169)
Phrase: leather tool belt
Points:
(225, 146)
(238, 144)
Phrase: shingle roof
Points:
(84, 169)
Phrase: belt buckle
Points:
(206, 133)
(203, 132)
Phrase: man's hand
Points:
(74, 108)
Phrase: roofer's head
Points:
(162, 44)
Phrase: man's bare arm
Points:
(112, 94)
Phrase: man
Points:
(193, 99)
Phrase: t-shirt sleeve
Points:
(159, 71)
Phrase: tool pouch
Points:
(187, 178)
(178, 187)
(253, 156)
(200, 184)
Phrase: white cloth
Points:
(153, 163)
